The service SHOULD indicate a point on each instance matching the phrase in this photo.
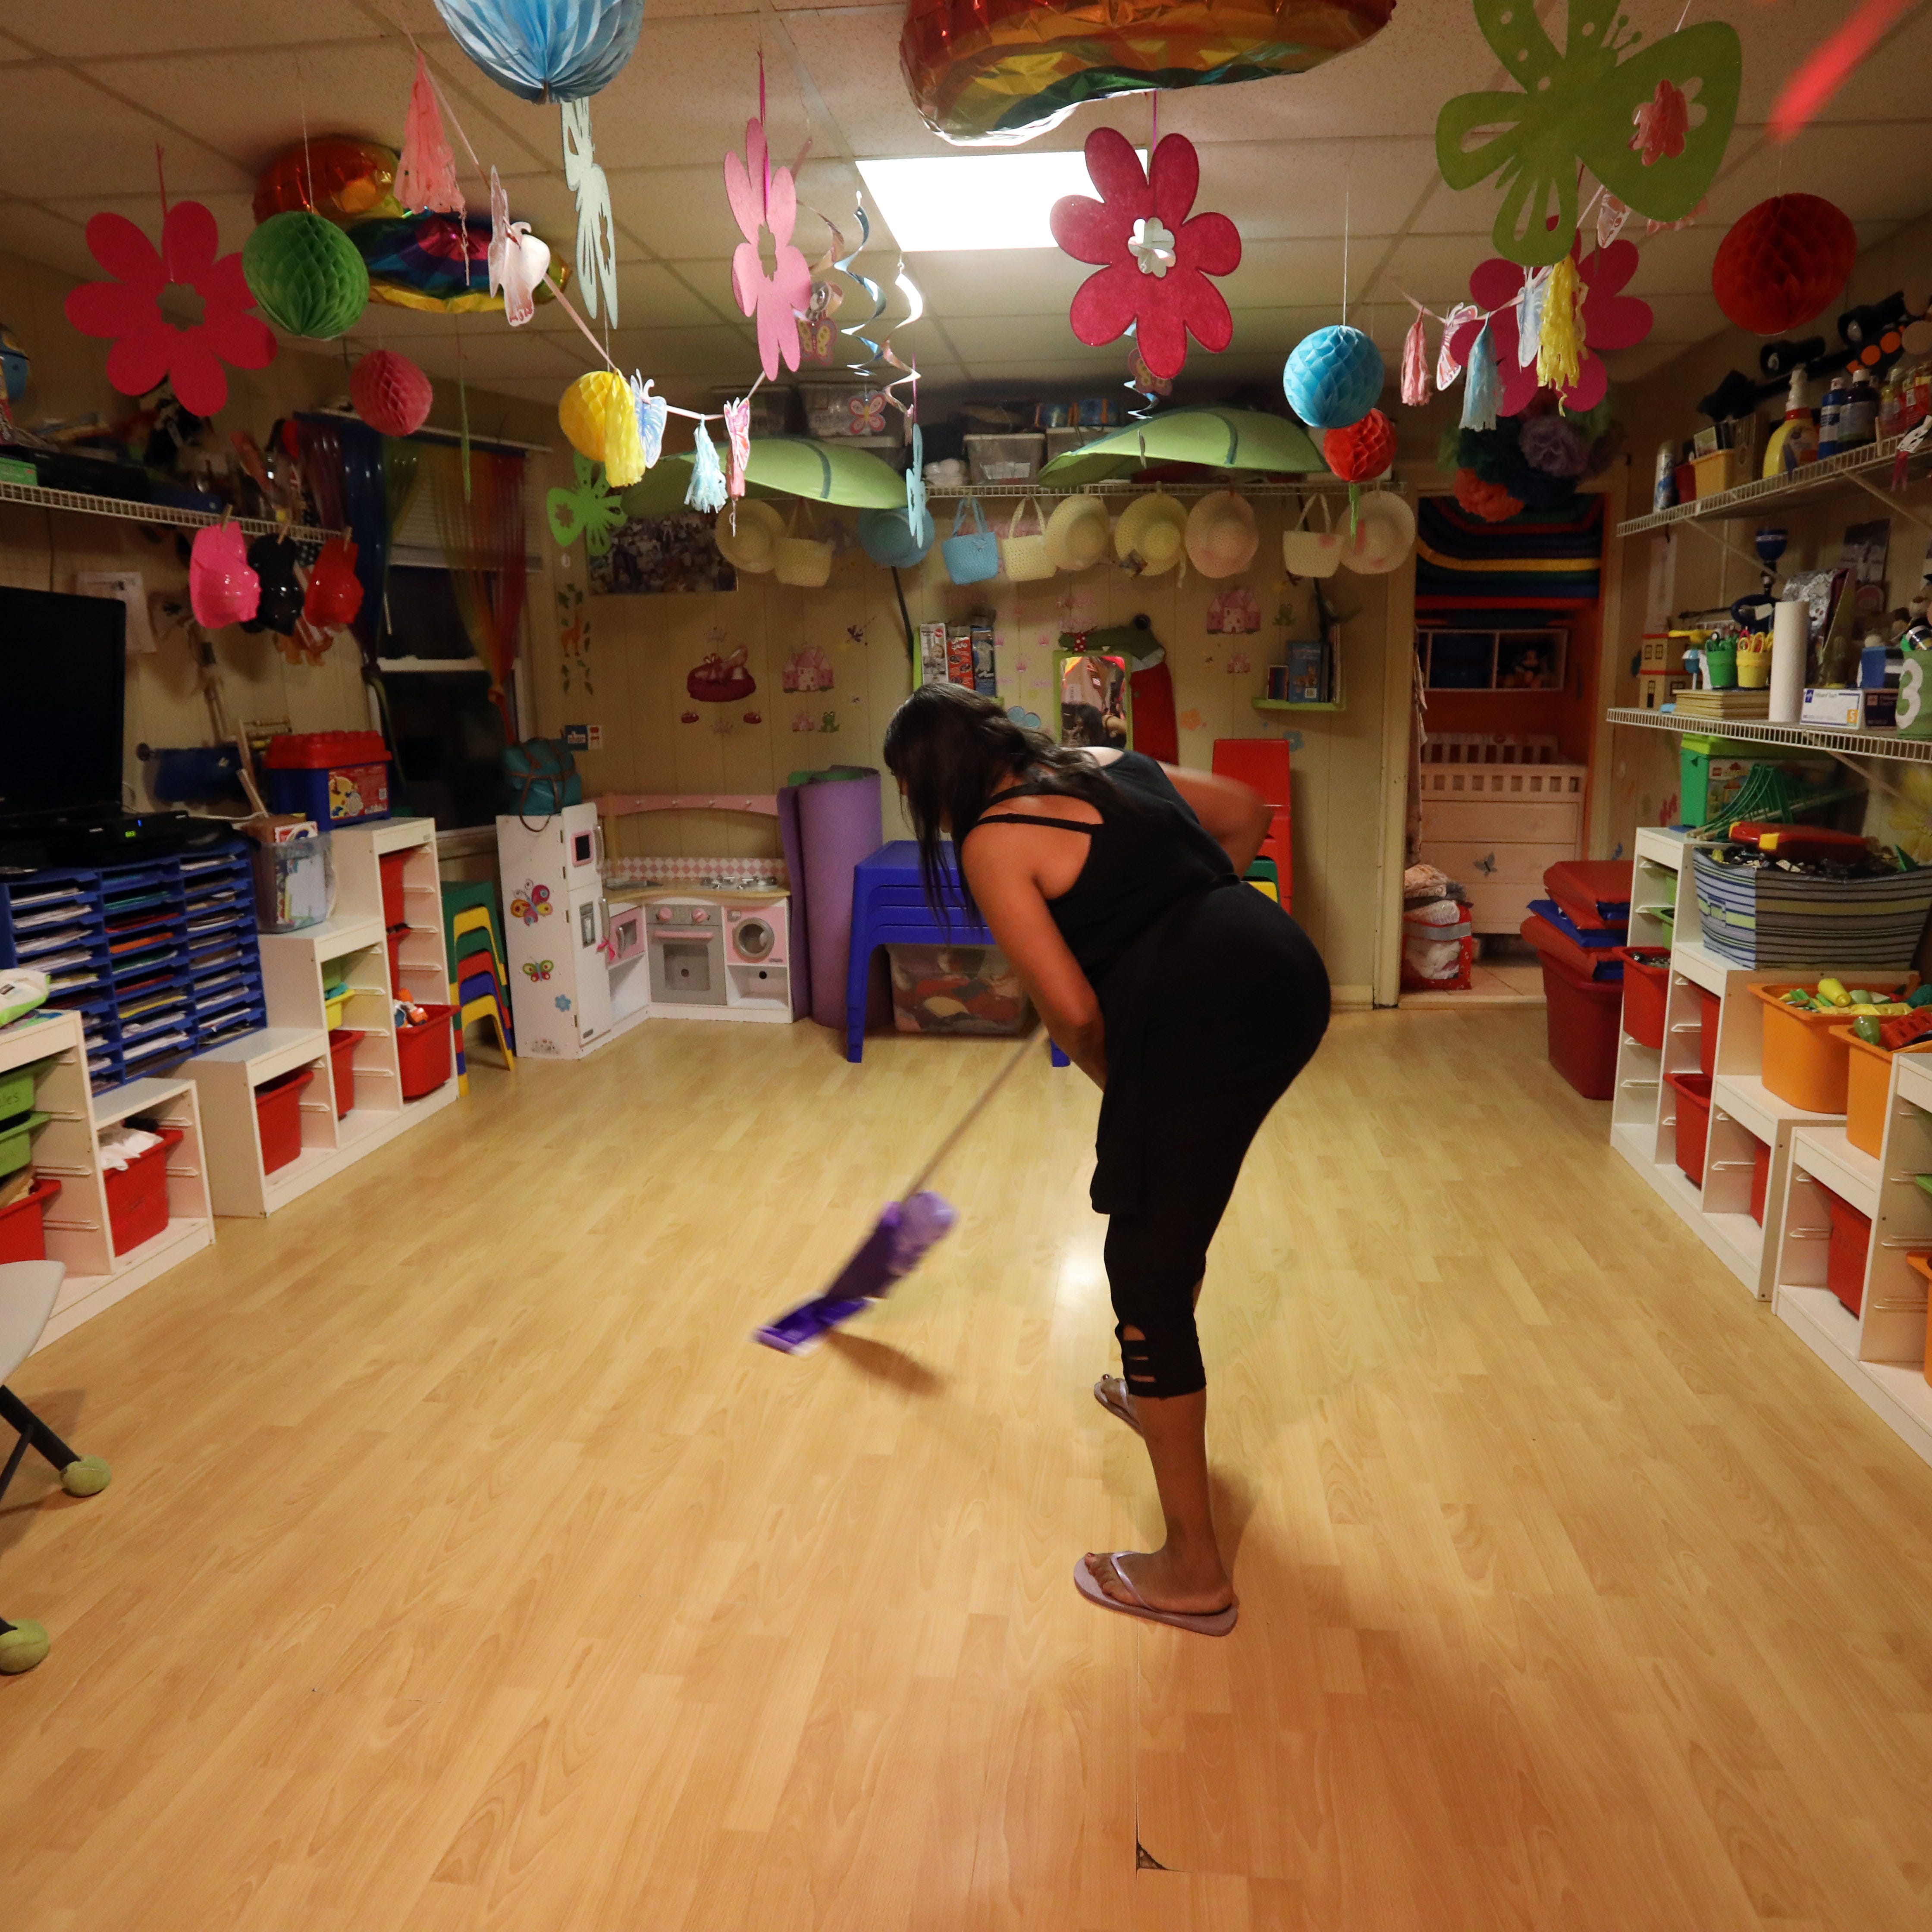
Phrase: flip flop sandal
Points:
(1214, 1623)
(1115, 1405)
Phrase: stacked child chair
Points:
(479, 987)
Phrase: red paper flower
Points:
(1490, 501)
(1156, 261)
(1662, 123)
(1611, 320)
(148, 347)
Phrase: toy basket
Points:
(1759, 917)
(23, 1234)
(1805, 1060)
(959, 989)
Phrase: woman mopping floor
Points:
(1113, 885)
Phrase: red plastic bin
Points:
(393, 864)
(137, 1194)
(1646, 992)
(1845, 1257)
(394, 942)
(278, 1113)
(342, 1064)
(23, 1234)
(423, 1053)
(1707, 1004)
(1760, 1179)
(1582, 1019)
(1693, 1122)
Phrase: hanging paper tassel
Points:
(1415, 364)
(1529, 315)
(707, 490)
(1448, 366)
(738, 443)
(623, 446)
(1479, 392)
(426, 173)
(1559, 355)
(651, 411)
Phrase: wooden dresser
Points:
(1495, 813)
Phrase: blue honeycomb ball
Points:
(1333, 377)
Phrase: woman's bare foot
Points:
(1163, 1581)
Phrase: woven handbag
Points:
(975, 557)
(803, 561)
(1024, 559)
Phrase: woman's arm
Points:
(1233, 815)
(1001, 877)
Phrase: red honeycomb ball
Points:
(1783, 263)
(391, 394)
(1363, 450)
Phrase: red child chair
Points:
(1262, 763)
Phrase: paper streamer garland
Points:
(596, 233)
(426, 171)
(707, 491)
(651, 411)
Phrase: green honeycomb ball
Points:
(305, 275)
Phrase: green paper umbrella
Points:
(794, 466)
(306, 274)
(1215, 439)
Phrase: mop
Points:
(897, 1244)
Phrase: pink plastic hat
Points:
(221, 588)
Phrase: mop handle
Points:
(972, 1113)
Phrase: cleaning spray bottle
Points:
(1795, 441)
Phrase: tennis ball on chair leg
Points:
(21, 1648)
(86, 1476)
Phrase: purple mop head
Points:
(894, 1248)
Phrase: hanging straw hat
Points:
(1077, 533)
(754, 544)
(1384, 534)
(1307, 552)
(1221, 538)
(1151, 536)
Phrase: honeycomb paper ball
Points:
(1783, 263)
(1361, 450)
(1333, 377)
(306, 274)
(390, 393)
(585, 412)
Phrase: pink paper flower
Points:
(1156, 260)
(147, 347)
(763, 197)
(1662, 123)
(1611, 320)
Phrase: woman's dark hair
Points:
(952, 748)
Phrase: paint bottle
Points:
(1858, 419)
(1829, 412)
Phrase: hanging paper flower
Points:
(765, 197)
(1480, 391)
(1554, 445)
(738, 444)
(1415, 364)
(918, 518)
(147, 348)
(426, 171)
(1448, 361)
(707, 490)
(1611, 320)
(651, 412)
(1663, 123)
(596, 233)
(588, 510)
(1490, 501)
(1155, 259)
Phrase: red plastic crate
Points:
(342, 1063)
(1845, 1258)
(423, 1053)
(1693, 1122)
(137, 1194)
(1582, 1017)
(393, 864)
(278, 1113)
(1646, 992)
(23, 1234)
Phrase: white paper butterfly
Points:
(596, 234)
(518, 260)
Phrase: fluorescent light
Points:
(944, 203)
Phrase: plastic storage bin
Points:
(1693, 1122)
(278, 1115)
(392, 866)
(967, 989)
(17, 1140)
(16, 1091)
(342, 1043)
(137, 1194)
(1867, 1088)
(1646, 989)
(1016, 458)
(1760, 1177)
(295, 883)
(337, 778)
(23, 1234)
(1845, 1258)
(1711, 771)
(1805, 1058)
(1708, 1005)
(423, 1053)
(1581, 1016)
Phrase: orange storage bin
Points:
(1845, 1258)
(1867, 1086)
(1646, 992)
(1805, 1061)
(1693, 1122)
(1923, 1264)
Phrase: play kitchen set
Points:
(1781, 1106)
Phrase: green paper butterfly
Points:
(1578, 107)
(589, 510)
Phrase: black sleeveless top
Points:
(1144, 860)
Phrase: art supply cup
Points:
(1721, 664)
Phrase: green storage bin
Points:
(17, 1142)
(17, 1090)
(1712, 771)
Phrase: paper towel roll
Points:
(1790, 646)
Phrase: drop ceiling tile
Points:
(852, 57)
(1683, 318)
(1677, 263)
(1890, 85)
(29, 230)
(1013, 281)
(60, 136)
(687, 93)
(90, 31)
(234, 212)
(1009, 338)
(1292, 274)
(1434, 269)
(1293, 189)
(1872, 179)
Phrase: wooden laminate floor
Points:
(465, 1567)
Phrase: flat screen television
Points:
(63, 670)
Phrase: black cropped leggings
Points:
(1200, 1129)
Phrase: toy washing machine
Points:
(757, 958)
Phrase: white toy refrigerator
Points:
(567, 996)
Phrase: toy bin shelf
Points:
(67, 1148)
(1879, 1352)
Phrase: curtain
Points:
(483, 550)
